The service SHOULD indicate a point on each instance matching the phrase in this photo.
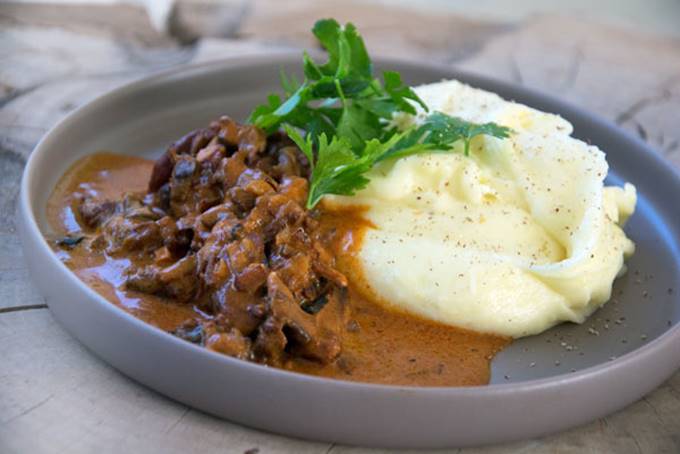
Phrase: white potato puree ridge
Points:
(517, 237)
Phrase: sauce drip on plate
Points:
(380, 344)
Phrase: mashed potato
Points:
(515, 238)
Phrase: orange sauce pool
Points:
(380, 345)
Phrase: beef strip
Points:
(224, 227)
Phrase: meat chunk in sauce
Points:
(223, 227)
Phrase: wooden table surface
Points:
(57, 397)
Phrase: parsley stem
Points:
(340, 92)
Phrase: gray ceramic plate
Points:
(564, 377)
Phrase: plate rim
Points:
(354, 396)
(379, 411)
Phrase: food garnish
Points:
(69, 242)
(346, 114)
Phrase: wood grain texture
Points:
(57, 397)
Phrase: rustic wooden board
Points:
(57, 397)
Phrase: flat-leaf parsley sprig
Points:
(346, 112)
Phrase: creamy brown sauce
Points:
(380, 345)
(108, 175)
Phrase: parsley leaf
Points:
(345, 112)
(444, 129)
(345, 83)
(400, 94)
(335, 168)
